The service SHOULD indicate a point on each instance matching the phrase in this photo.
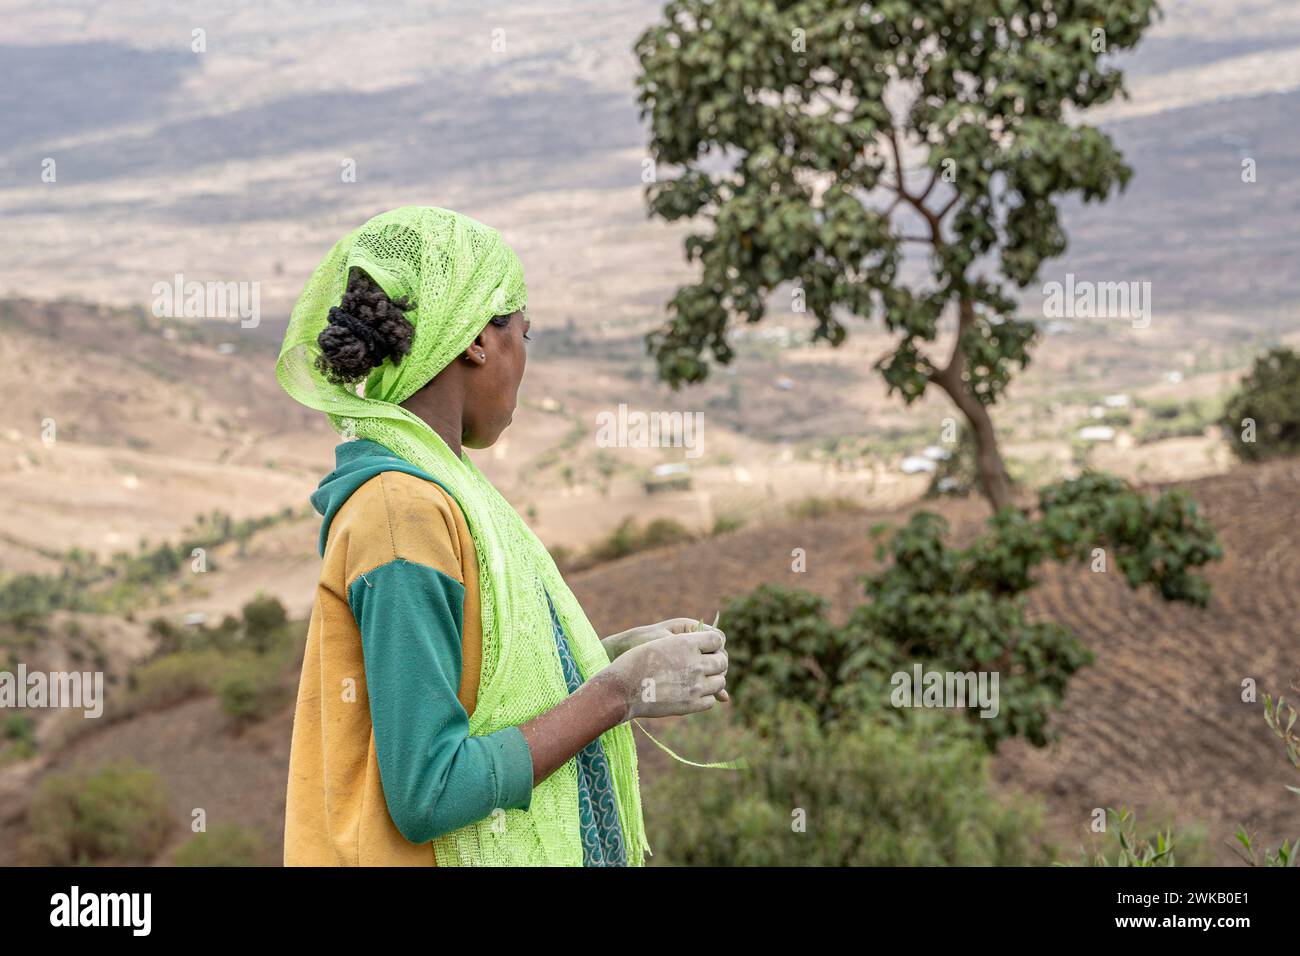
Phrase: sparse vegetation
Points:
(116, 814)
(226, 844)
(126, 581)
(1177, 419)
(818, 506)
(628, 538)
(1121, 845)
(241, 661)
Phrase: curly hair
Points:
(364, 329)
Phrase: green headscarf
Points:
(457, 274)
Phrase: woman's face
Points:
(499, 355)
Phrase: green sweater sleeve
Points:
(436, 777)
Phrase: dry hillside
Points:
(1156, 723)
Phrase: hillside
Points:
(1156, 723)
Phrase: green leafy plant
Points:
(961, 609)
(1126, 848)
(1269, 397)
(864, 793)
(1282, 723)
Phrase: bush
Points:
(962, 611)
(626, 539)
(782, 647)
(17, 738)
(1270, 397)
(227, 844)
(265, 623)
(249, 689)
(872, 794)
(172, 679)
(117, 814)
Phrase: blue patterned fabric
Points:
(602, 834)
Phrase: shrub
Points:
(227, 844)
(17, 738)
(117, 814)
(627, 539)
(265, 623)
(1270, 397)
(871, 794)
(172, 679)
(249, 688)
(782, 647)
(961, 610)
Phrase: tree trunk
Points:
(994, 481)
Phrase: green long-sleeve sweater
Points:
(379, 771)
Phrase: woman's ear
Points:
(476, 354)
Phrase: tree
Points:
(792, 125)
(1262, 419)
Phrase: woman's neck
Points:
(442, 408)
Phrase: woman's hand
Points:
(675, 674)
(616, 644)
(623, 641)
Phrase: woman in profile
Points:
(455, 707)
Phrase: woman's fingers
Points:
(715, 663)
(709, 640)
(711, 686)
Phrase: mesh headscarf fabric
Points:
(457, 274)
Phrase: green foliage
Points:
(1123, 847)
(1288, 854)
(117, 814)
(1270, 397)
(628, 538)
(961, 610)
(725, 523)
(171, 679)
(1281, 719)
(865, 793)
(1177, 419)
(957, 474)
(265, 621)
(17, 738)
(227, 844)
(1283, 726)
(249, 688)
(1156, 541)
(18, 728)
(774, 118)
(782, 647)
(240, 660)
(125, 581)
